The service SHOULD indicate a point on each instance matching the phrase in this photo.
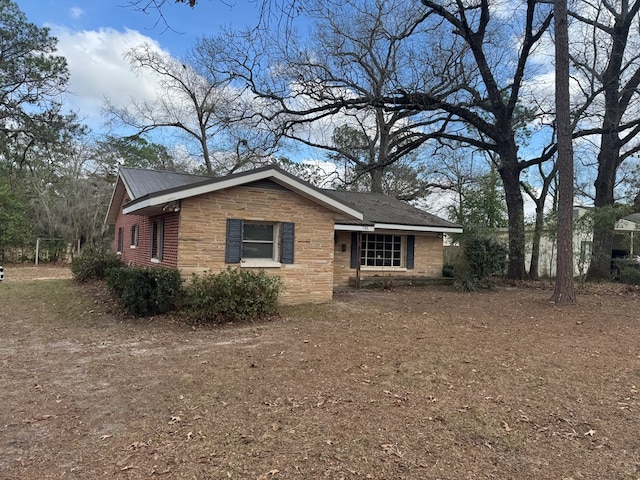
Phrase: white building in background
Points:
(626, 243)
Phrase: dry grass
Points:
(414, 383)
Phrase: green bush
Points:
(448, 270)
(232, 295)
(483, 259)
(145, 291)
(93, 264)
(626, 270)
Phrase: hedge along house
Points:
(314, 239)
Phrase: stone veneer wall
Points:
(429, 259)
(202, 237)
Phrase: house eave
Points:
(150, 203)
(393, 226)
(121, 189)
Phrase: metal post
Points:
(358, 255)
(37, 250)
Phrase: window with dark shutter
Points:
(287, 242)
(157, 239)
(354, 249)
(120, 239)
(135, 232)
(233, 251)
(411, 251)
(259, 241)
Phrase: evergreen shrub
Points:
(145, 291)
(231, 295)
(626, 270)
(93, 264)
(484, 258)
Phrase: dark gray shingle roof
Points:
(378, 208)
(634, 217)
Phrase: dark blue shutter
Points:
(287, 242)
(411, 251)
(354, 250)
(233, 251)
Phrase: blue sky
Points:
(186, 24)
(93, 36)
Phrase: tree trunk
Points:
(376, 179)
(603, 225)
(564, 288)
(535, 244)
(510, 174)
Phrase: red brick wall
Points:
(140, 256)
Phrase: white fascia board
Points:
(298, 187)
(353, 228)
(312, 193)
(116, 191)
(417, 228)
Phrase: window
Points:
(135, 232)
(258, 241)
(266, 243)
(585, 251)
(120, 239)
(157, 239)
(380, 250)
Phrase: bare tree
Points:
(539, 198)
(487, 94)
(197, 104)
(607, 63)
(319, 90)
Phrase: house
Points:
(626, 242)
(314, 239)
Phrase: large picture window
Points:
(157, 239)
(381, 250)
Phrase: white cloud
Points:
(76, 12)
(98, 70)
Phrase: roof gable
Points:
(150, 190)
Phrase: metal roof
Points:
(147, 189)
(140, 182)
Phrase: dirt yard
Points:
(416, 383)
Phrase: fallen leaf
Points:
(506, 426)
(137, 445)
(590, 433)
(104, 437)
(392, 449)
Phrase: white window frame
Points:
(135, 235)
(120, 240)
(157, 240)
(265, 262)
(401, 261)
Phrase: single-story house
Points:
(314, 239)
